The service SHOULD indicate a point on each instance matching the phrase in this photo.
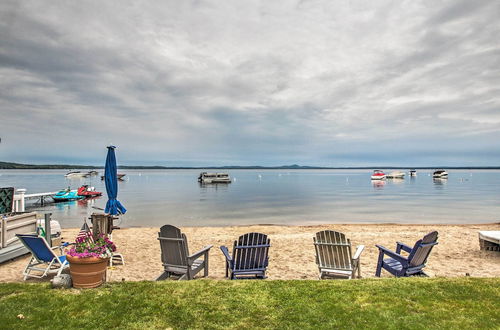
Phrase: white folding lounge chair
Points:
(43, 258)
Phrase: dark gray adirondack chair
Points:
(250, 257)
(334, 255)
(175, 255)
(398, 265)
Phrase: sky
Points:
(216, 83)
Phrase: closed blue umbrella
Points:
(113, 206)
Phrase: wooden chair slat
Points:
(333, 253)
(175, 255)
(250, 254)
(399, 265)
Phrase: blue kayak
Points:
(66, 195)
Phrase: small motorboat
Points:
(441, 174)
(395, 175)
(119, 176)
(205, 177)
(413, 172)
(378, 175)
(66, 195)
(76, 174)
(86, 191)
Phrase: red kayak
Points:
(87, 191)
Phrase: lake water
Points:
(157, 197)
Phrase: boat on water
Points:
(395, 175)
(66, 195)
(93, 173)
(206, 177)
(86, 192)
(76, 174)
(119, 176)
(378, 175)
(413, 172)
(440, 174)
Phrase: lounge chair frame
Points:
(52, 262)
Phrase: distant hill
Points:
(7, 165)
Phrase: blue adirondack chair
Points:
(43, 259)
(399, 265)
(250, 257)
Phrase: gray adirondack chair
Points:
(334, 255)
(399, 265)
(175, 255)
(250, 257)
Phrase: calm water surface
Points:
(157, 197)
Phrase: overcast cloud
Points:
(329, 83)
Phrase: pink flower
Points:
(92, 246)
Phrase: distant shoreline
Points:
(18, 166)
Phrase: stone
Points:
(62, 281)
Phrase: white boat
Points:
(76, 174)
(442, 174)
(378, 175)
(413, 172)
(206, 177)
(395, 175)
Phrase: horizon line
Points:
(11, 165)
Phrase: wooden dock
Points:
(21, 197)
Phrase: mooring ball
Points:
(62, 281)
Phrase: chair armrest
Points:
(198, 254)
(358, 252)
(225, 251)
(402, 246)
(60, 247)
(392, 254)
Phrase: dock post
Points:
(48, 236)
(21, 203)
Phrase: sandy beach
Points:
(292, 253)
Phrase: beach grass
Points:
(414, 303)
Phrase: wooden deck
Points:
(10, 225)
(12, 251)
(489, 240)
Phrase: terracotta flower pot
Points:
(87, 272)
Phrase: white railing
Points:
(21, 197)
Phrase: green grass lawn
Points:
(382, 304)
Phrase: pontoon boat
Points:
(214, 178)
